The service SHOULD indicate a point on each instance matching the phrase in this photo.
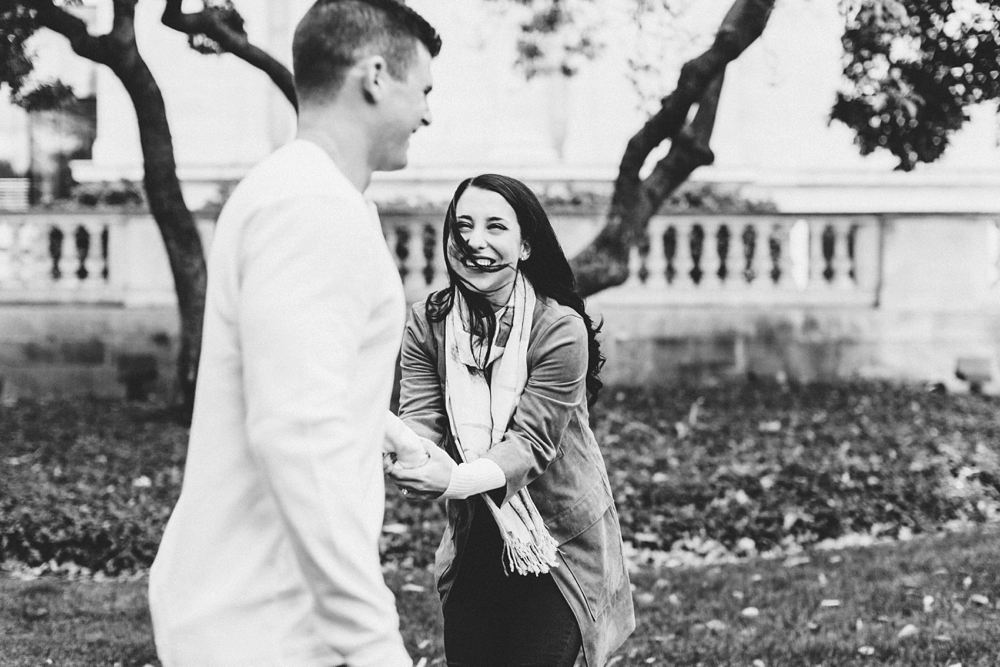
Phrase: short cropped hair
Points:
(335, 34)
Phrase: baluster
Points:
(415, 261)
(93, 262)
(710, 260)
(32, 261)
(817, 262)
(634, 267)
(683, 262)
(429, 247)
(842, 262)
(656, 260)
(782, 235)
(798, 254)
(727, 236)
(760, 260)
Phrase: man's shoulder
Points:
(298, 171)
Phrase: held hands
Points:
(429, 480)
(415, 464)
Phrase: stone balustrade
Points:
(710, 259)
(805, 296)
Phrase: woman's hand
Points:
(429, 480)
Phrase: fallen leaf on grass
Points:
(867, 650)
(674, 600)
(957, 664)
(908, 631)
(859, 625)
(966, 583)
(645, 598)
(830, 603)
(942, 638)
(424, 644)
(979, 599)
(758, 663)
(413, 588)
(928, 603)
(823, 581)
(715, 625)
(813, 627)
(750, 612)
(795, 561)
(395, 528)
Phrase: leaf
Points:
(830, 603)
(867, 650)
(908, 630)
(928, 603)
(979, 599)
(715, 625)
(750, 612)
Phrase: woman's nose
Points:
(477, 238)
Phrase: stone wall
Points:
(898, 296)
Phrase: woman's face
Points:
(489, 225)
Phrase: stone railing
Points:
(59, 258)
(705, 259)
(110, 258)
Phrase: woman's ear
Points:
(525, 250)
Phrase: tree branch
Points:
(742, 25)
(604, 263)
(211, 23)
(689, 150)
(72, 28)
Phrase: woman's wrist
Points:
(468, 479)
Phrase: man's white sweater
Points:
(271, 555)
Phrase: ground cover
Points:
(701, 475)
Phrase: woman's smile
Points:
(488, 226)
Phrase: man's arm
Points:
(304, 302)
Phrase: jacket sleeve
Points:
(557, 375)
(421, 390)
(304, 305)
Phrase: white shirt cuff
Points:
(468, 479)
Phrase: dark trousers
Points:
(495, 620)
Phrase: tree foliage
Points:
(912, 69)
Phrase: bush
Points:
(93, 482)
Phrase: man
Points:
(271, 554)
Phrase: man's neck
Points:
(347, 149)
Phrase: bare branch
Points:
(73, 28)
(210, 22)
(689, 150)
(742, 25)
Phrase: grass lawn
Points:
(698, 473)
(686, 616)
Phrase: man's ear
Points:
(373, 76)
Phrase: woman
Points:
(497, 369)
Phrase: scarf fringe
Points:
(526, 558)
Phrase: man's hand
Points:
(429, 480)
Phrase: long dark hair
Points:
(546, 268)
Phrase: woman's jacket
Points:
(548, 448)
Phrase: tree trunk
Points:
(174, 220)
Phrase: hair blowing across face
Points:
(334, 34)
(546, 268)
